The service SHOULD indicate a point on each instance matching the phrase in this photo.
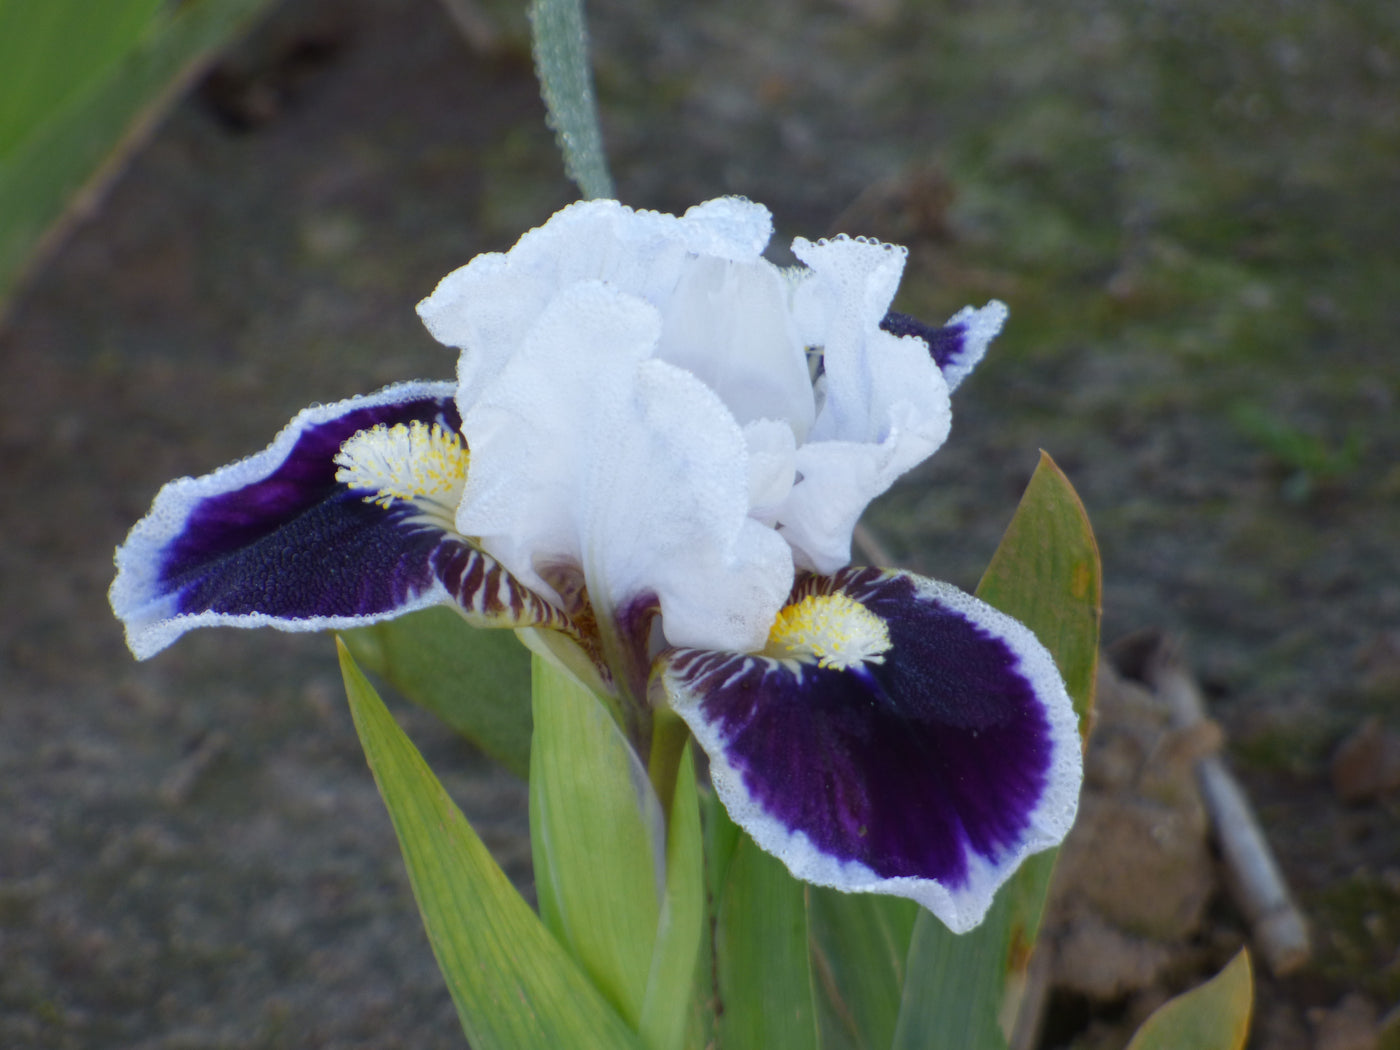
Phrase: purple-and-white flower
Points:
(651, 464)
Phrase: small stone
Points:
(1102, 962)
(1135, 876)
(1350, 1025)
(1367, 764)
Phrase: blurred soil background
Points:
(1193, 210)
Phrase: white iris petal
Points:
(885, 405)
(637, 394)
(772, 453)
(729, 323)
(589, 450)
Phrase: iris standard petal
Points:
(883, 401)
(587, 451)
(896, 736)
(960, 344)
(488, 306)
(729, 324)
(276, 540)
(723, 308)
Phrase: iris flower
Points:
(650, 465)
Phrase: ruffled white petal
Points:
(487, 306)
(884, 402)
(729, 324)
(588, 450)
(737, 326)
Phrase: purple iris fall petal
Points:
(276, 540)
(928, 769)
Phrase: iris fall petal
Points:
(276, 540)
(916, 742)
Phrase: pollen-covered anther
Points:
(833, 629)
(415, 462)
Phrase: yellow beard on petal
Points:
(834, 630)
(413, 462)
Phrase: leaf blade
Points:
(475, 680)
(85, 121)
(860, 944)
(1046, 573)
(671, 982)
(513, 985)
(761, 954)
(598, 839)
(1211, 1016)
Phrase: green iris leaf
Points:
(1046, 573)
(763, 968)
(666, 1010)
(474, 680)
(859, 943)
(598, 838)
(514, 985)
(1213, 1016)
(79, 81)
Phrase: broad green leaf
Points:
(964, 991)
(52, 52)
(859, 945)
(566, 81)
(1213, 1016)
(1046, 573)
(720, 836)
(954, 984)
(477, 681)
(598, 838)
(666, 1009)
(79, 81)
(761, 956)
(514, 986)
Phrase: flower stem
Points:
(566, 81)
